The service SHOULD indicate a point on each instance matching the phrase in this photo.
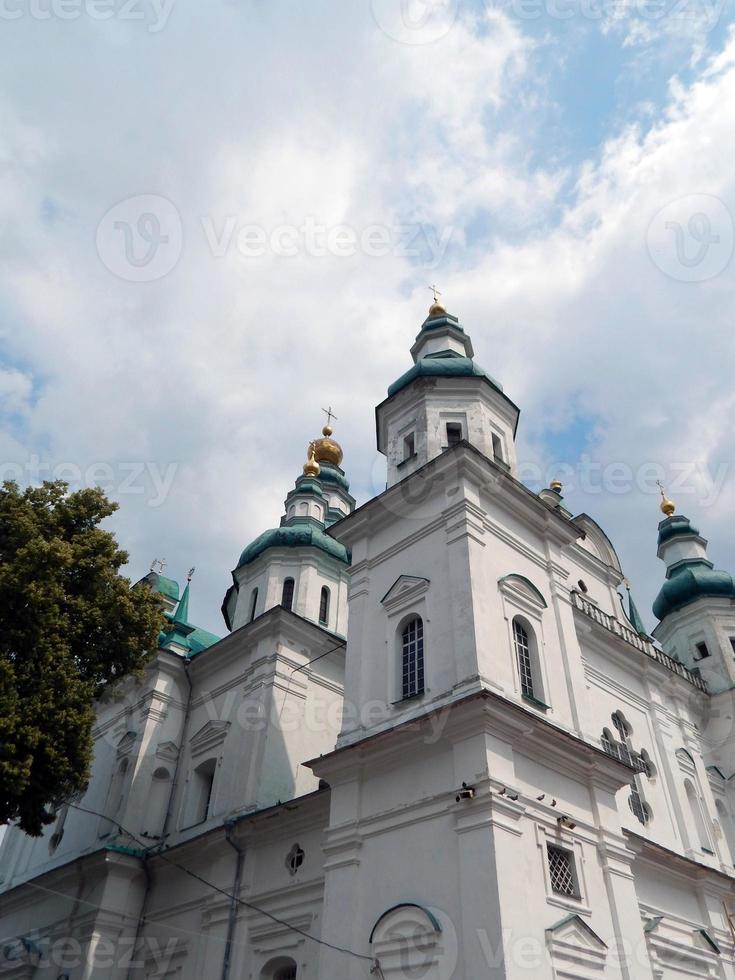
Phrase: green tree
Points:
(70, 626)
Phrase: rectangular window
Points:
(454, 433)
(732, 643)
(409, 446)
(702, 651)
(497, 448)
(561, 871)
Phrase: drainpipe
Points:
(232, 919)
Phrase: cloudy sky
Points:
(219, 217)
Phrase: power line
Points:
(240, 901)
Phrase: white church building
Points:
(432, 744)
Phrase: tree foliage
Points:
(70, 626)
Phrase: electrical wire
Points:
(147, 849)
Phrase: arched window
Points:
(696, 809)
(728, 829)
(157, 802)
(412, 658)
(281, 968)
(287, 594)
(202, 785)
(115, 799)
(253, 604)
(522, 642)
(324, 606)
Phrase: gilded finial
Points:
(437, 308)
(668, 507)
(311, 467)
(556, 486)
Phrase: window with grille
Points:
(287, 594)
(638, 808)
(324, 606)
(561, 871)
(412, 661)
(523, 654)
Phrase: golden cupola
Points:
(326, 450)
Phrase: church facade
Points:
(433, 743)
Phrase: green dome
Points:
(691, 581)
(303, 535)
(675, 526)
(166, 586)
(333, 474)
(445, 364)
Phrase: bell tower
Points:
(445, 398)
(696, 604)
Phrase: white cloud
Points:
(222, 367)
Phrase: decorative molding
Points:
(404, 592)
(522, 591)
(208, 737)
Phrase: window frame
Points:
(253, 604)
(419, 670)
(288, 587)
(325, 597)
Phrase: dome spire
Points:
(668, 507)
(437, 308)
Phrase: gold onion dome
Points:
(437, 308)
(668, 507)
(311, 467)
(326, 450)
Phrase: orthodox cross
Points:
(161, 562)
(190, 574)
(435, 291)
(330, 415)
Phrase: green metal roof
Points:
(166, 586)
(689, 581)
(445, 364)
(675, 526)
(333, 474)
(306, 534)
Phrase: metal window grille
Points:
(561, 871)
(413, 658)
(620, 726)
(523, 653)
(638, 808)
(608, 744)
